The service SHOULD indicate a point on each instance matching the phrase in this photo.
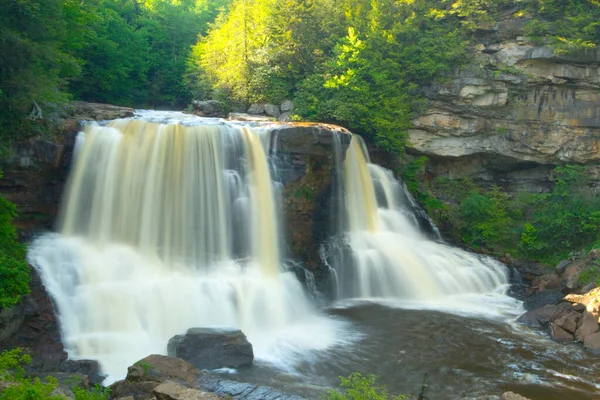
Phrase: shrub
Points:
(358, 387)
(20, 387)
(14, 271)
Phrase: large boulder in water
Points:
(209, 348)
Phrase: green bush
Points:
(539, 226)
(14, 271)
(359, 387)
(19, 387)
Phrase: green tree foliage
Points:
(17, 386)
(14, 271)
(33, 66)
(134, 52)
(568, 25)
(355, 62)
(540, 226)
(359, 387)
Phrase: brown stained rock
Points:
(560, 335)
(175, 391)
(157, 368)
(568, 321)
(512, 396)
(592, 343)
(587, 326)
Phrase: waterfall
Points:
(164, 227)
(380, 251)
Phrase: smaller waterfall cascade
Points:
(380, 252)
(165, 227)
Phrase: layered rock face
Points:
(518, 110)
(35, 171)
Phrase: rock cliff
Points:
(516, 111)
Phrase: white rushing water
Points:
(170, 222)
(168, 226)
(384, 255)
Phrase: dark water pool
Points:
(463, 357)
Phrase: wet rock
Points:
(568, 321)
(512, 396)
(592, 343)
(562, 266)
(38, 333)
(560, 335)
(539, 317)
(245, 391)
(286, 106)
(272, 110)
(175, 391)
(587, 326)
(543, 298)
(210, 108)
(212, 348)
(311, 140)
(257, 108)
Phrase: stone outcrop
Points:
(575, 319)
(282, 113)
(35, 171)
(208, 348)
(210, 108)
(514, 113)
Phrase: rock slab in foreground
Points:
(147, 374)
(208, 348)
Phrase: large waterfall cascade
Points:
(167, 226)
(170, 222)
(384, 255)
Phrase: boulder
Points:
(272, 110)
(560, 335)
(562, 266)
(285, 117)
(568, 321)
(540, 317)
(212, 348)
(286, 105)
(175, 391)
(145, 375)
(588, 325)
(543, 298)
(157, 368)
(592, 343)
(257, 108)
(210, 108)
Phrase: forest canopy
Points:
(364, 64)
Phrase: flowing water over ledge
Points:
(171, 221)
